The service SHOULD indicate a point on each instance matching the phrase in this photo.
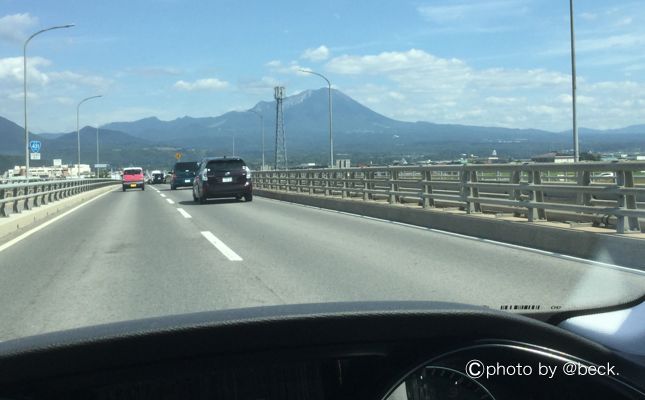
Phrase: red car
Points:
(133, 178)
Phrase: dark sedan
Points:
(222, 177)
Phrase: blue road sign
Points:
(34, 145)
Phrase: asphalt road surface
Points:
(155, 252)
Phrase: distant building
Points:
(307, 165)
(343, 163)
(492, 159)
(553, 158)
(45, 172)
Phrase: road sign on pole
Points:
(34, 146)
(178, 155)
(57, 162)
(34, 156)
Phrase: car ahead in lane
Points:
(133, 178)
(222, 177)
(157, 177)
(183, 174)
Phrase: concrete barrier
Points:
(595, 244)
(18, 222)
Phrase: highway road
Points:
(147, 253)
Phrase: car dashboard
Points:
(377, 351)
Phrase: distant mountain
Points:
(359, 133)
(628, 130)
(306, 126)
(12, 138)
(111, 143)
(51, 135)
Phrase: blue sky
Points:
(478, 62)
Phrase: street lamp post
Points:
(78, 132)
(24, 82)
(331, 137)
(576, 149)
(97, 150)
(262, 129)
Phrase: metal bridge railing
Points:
(608, 190)
(19, 195)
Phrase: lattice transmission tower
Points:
(280, 142)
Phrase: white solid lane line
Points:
(170, 201)
(51, 221)
(224, 249)
(184, 213)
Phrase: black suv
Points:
(222, 177)
(183, 174)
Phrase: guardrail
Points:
(43, 192)
(609, 190)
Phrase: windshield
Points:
(225, 165)
(318, 151)
(185, 167)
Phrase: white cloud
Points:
(13, 27)
(449, 90)
(149, 71)
(625, 21)
(263, 85)
(85, 80)
(614, 42)
(587, 16)
(608, 36)
(274, 64)
(392, 61)
(293, 68)
(417, 70)
(11, 74)
(201, 84)
(318, 54)
(567, 99)
(64, 100)
(502, 100)
(11, 70)
(478, 16)
(543, 110)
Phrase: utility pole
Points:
(576, 148)
(280, 160)
(331, 135)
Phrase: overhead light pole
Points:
(331, 137)
(576, 148)
(262, 129)
(78, 132)
(24, 68)
(97, 150)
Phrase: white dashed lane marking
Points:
(223, 248)
(184, 213)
